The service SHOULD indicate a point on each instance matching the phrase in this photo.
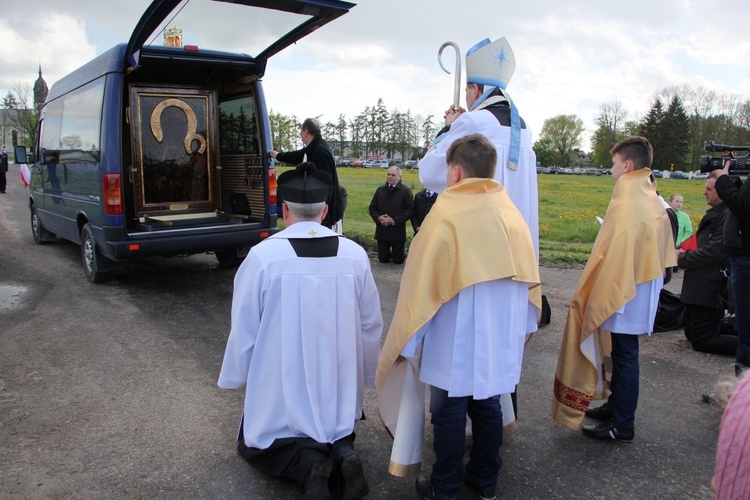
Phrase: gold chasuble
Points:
(634, 246)
(473, 234)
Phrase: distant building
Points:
(7, 129)
(582, 159)
(10, 134)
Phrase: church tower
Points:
(40, 90)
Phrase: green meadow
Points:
(568, 207)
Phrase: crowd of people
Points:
(306, 322)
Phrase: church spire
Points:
(40, 89)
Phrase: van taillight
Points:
(272, 187)
(111, 193)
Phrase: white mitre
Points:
(490, 64)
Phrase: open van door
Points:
(313, 14)
(174, 130)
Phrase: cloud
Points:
(25, 47)
(572, 57)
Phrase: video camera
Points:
(738, 164)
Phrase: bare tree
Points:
(612, 121)
(21, 114)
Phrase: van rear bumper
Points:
(122, 247)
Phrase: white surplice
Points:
(305, 338)
(473, 345)
(520, 184)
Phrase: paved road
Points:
(110, 391)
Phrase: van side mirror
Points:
(20, 153)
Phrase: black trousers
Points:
(287, 458)
(292, 458)
(3, 182)
(703, 330)
(391, 250)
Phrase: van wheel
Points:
(92, 259)
(228, 257)
(41, 235)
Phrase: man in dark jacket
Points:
(390, 208)
(737, 246)
(705, 280)
(3, 169)
(423, 202)
(317, 151)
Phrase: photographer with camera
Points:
(736, 196)
(705, 282)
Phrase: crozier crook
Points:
(457, 77)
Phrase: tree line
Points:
(375, 131)
(680, 121)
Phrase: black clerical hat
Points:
(304, 184)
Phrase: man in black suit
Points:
(317, 151)
(704, 282)
(391, 206)
(423, 202)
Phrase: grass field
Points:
(568, 206)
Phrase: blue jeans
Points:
(740, 273)
(449, 427)
(625, 379)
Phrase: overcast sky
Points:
(571, 57)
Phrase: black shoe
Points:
(316, 483)
(608, 431)
(602, 413)
(484, 494)
(424, 488)
(351, 480)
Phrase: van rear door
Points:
(175, 165)
(312, 13)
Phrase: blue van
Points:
(162, 150)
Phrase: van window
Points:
(72, 125)
(237, 126)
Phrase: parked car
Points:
(411, 164)
(700, 176)
(358, 162)
(554, 170)
(381, 163)
(658, 174)
(679, 175)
